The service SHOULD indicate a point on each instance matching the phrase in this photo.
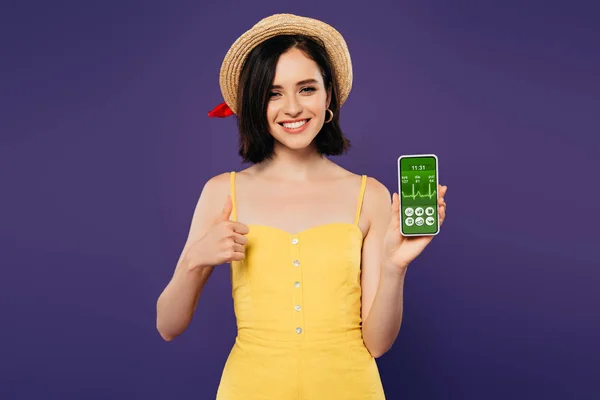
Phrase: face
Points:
(297, 101)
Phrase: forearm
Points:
(382, 325)
(176, 304)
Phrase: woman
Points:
(316, 255)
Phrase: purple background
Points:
(105, 146)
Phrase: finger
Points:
(226, 211)
(238, 248)
(241, 239)
(441, 201)
(232, 255)
(237, 256)
(240, 228)
(395, 221)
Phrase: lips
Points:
(296, 126)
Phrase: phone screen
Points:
(418, 183)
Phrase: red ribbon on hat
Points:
(220, 111)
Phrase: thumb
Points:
(226, 212)
(395, 220)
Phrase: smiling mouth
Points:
(294, 125)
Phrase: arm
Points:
(386, 256)
(382, 285)
(177, 303)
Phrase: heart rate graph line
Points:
(418, 193)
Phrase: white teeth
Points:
(294, 125)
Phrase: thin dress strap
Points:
(232, 192)
(363, 185)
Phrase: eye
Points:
(273, 94)
(309, 89)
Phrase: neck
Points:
(295, 165)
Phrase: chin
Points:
(295, 144)
(294, 141)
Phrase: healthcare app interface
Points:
(418, 195)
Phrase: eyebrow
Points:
(304, 82)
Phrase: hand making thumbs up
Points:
(223, 242)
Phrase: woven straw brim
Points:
(286, 24)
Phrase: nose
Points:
(292, 106)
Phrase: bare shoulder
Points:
(209, 205)
(214, 193)
(376, 192)
(377, 202)
(218, 183)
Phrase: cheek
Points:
(317, 104)
(271, 113)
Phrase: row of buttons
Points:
(419, 221)
(409, 211)
(297, 285)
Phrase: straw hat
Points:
(282, 24)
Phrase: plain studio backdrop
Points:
(105, 145)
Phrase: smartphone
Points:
(418, 184)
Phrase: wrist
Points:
(393, 270)
(193, 264)
(193, 259)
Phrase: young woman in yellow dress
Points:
(315, 251)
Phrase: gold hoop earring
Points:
(330, 118)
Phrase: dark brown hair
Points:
(258, 72)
